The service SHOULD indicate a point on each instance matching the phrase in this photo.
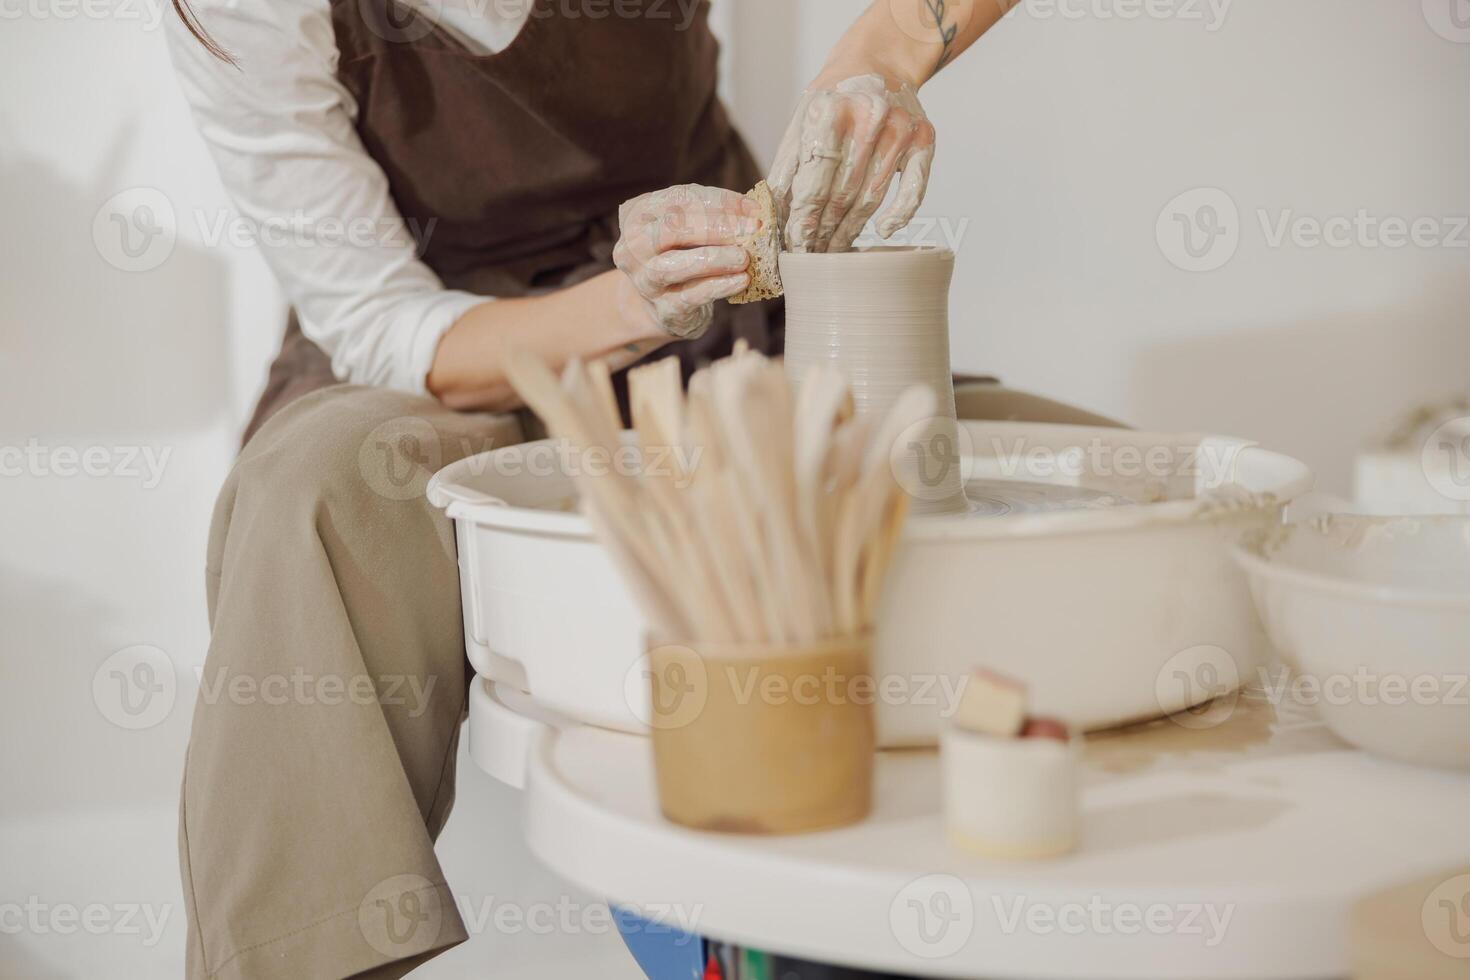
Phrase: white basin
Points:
(1097, 569)
(1376, 612)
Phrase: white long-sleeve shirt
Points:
(281, 129)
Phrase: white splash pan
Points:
(1110, 614)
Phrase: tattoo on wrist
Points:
(939, 10)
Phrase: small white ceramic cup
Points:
(1009, 798)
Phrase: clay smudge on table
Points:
(1252, 725)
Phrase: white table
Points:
(1232, 850)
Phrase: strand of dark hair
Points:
(191, 21)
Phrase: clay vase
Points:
(763, 739)
(881, 315)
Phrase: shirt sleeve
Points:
(281, 129)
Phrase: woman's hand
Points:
(678, 254)
(846, 143)
(679, 251)
(860, 123)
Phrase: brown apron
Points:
(511, 166)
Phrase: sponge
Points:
(991, 705)
(764, 249)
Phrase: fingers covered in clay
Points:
(680, 248)
(844, 149)
(867, 117)
(686, 310)
(883, 164)
(682, 217)
(678, 266)
(917, 160)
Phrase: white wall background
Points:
(1064, 134)
(1062, 139)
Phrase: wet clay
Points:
(881, 315)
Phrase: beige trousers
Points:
(321, 761)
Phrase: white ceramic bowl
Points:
(1100, 610)
(1376, 612)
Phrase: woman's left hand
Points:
(680, 251)
(846, 143)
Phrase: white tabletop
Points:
(1226, 851)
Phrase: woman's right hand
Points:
(680, 252)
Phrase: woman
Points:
(530, 174)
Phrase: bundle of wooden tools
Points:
(754, 513)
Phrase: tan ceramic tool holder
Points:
(763, 739)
